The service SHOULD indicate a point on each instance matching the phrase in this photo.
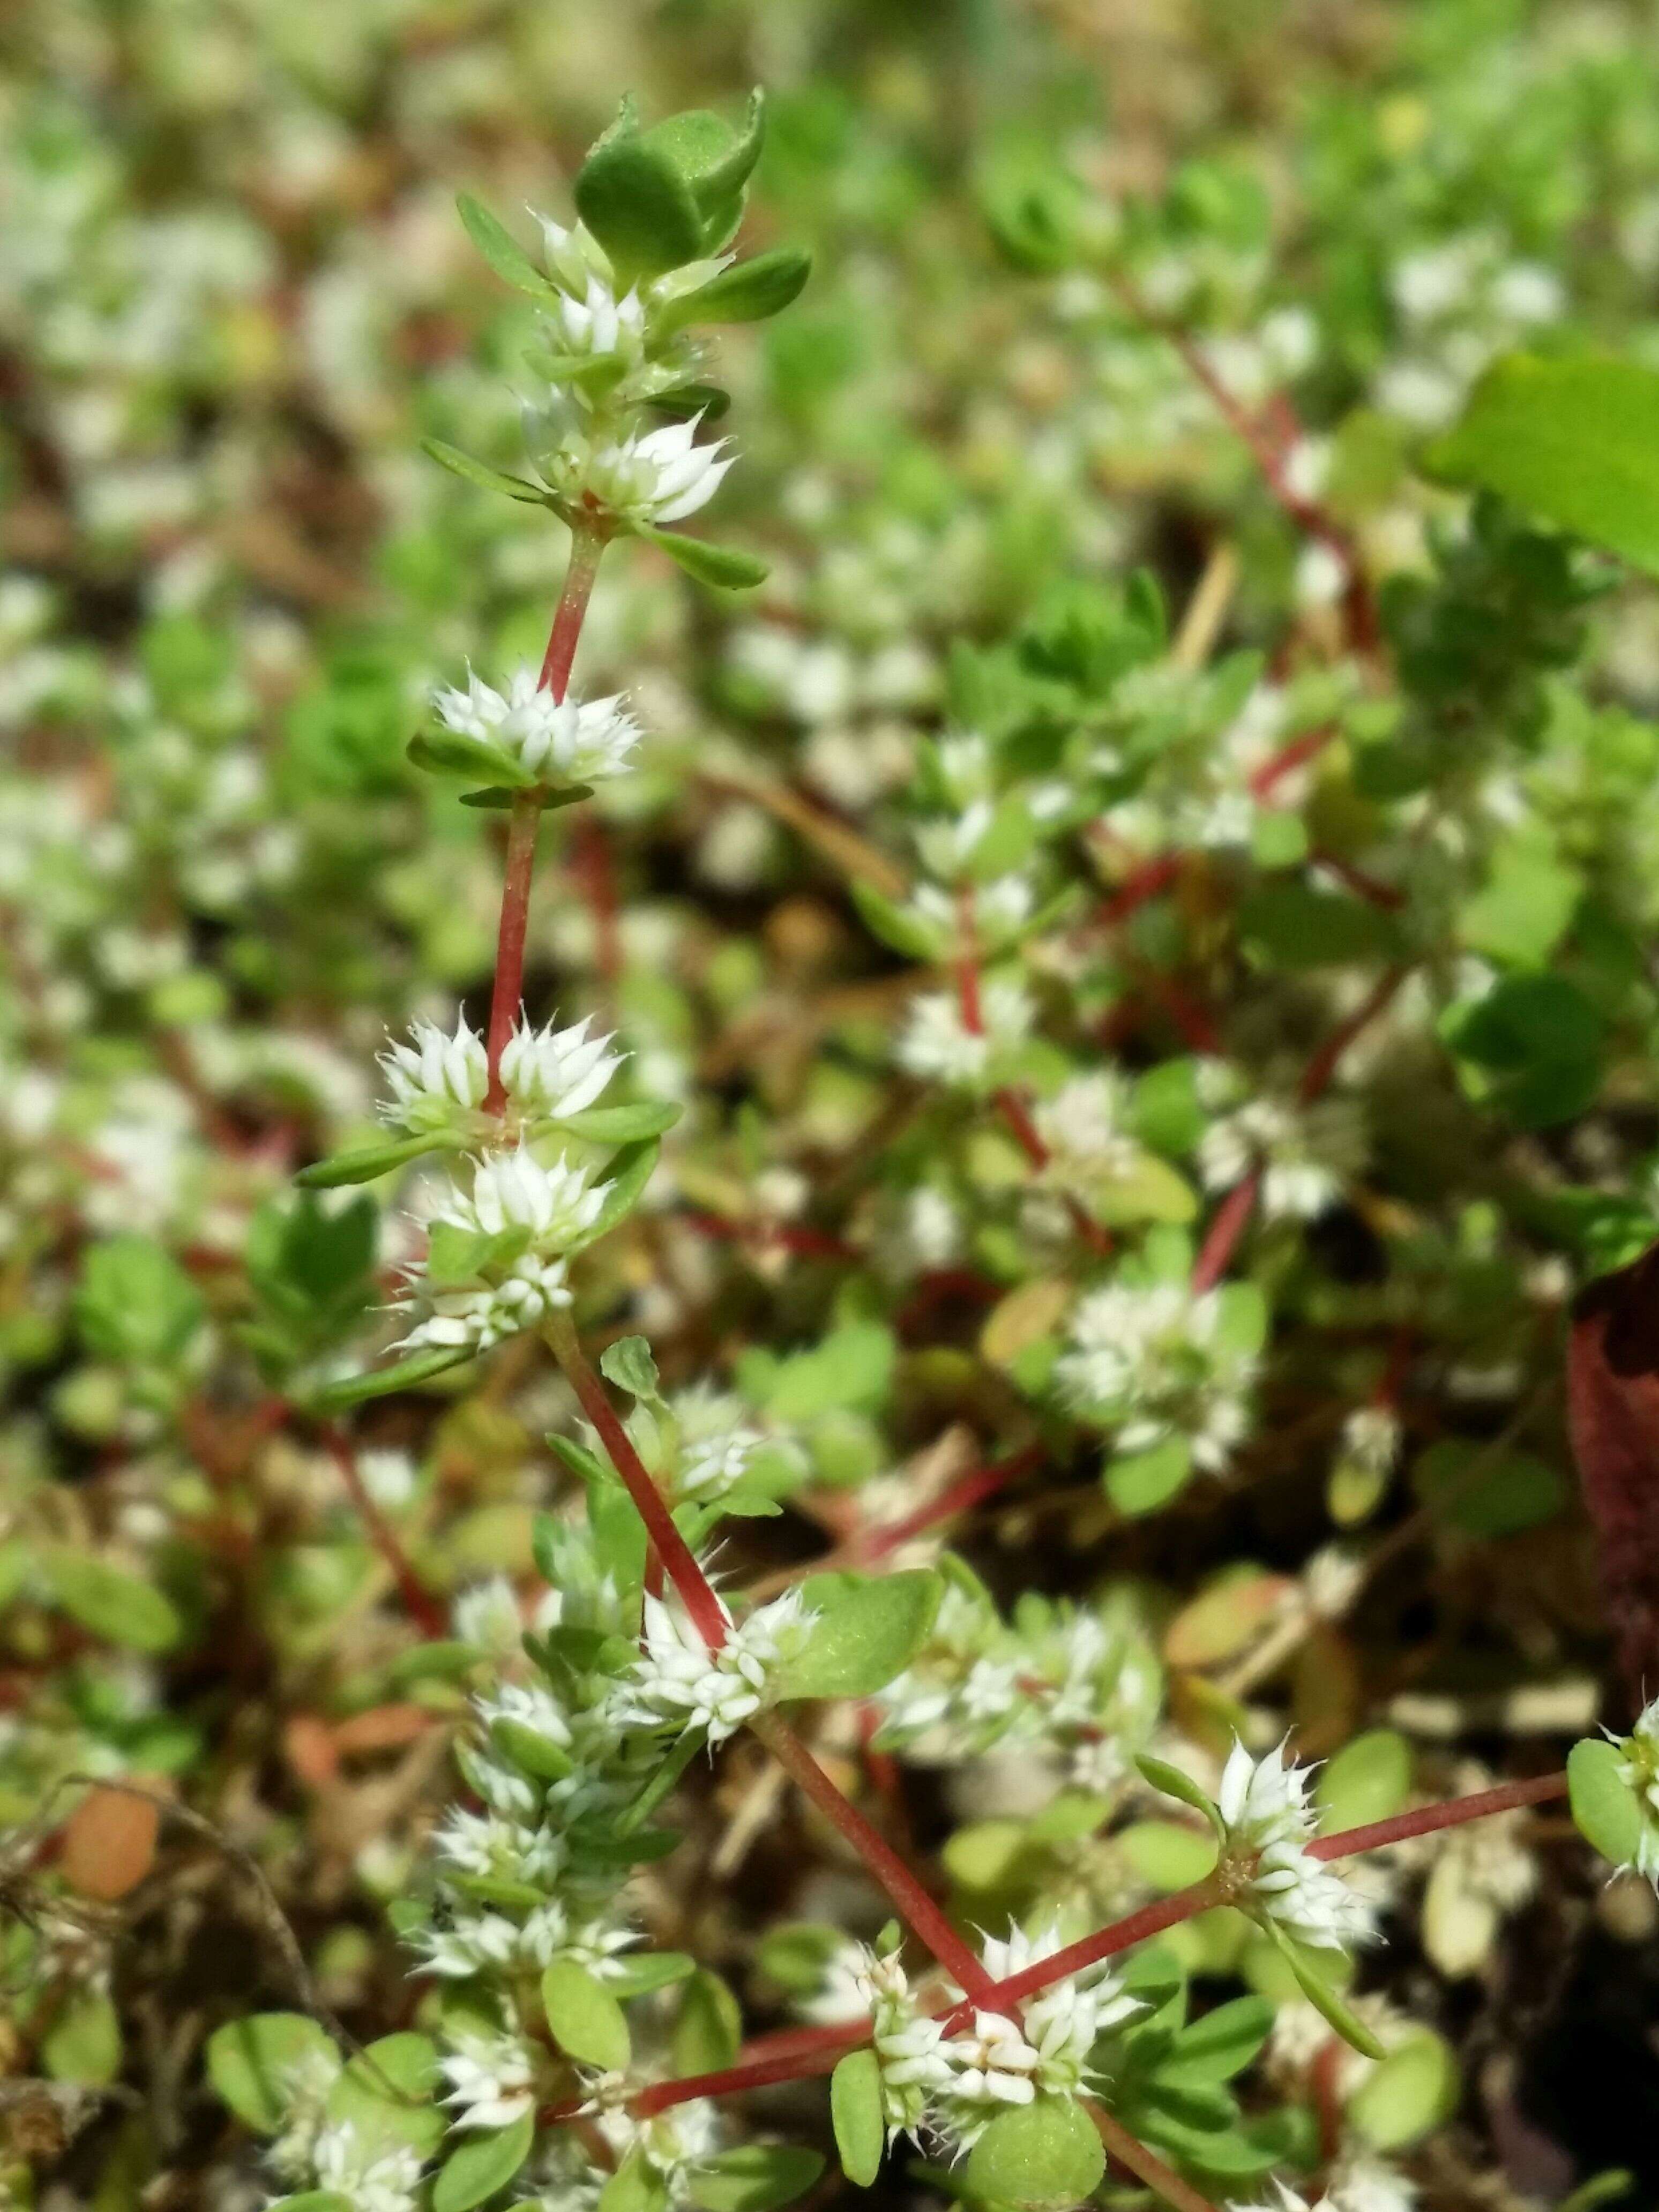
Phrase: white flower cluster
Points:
(1264, 1806)
(1062, 1679)
(438, 1081)
(952, 2085)
(940, 1044)
(544, 1211)
(1357, 2185)
(1152, 1360)
(1304, 1153)
(559, 741)
(678, 1682)
(649, 477)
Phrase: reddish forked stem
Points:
(1316, 1076)
(696, 1591)
(423, 1608)
(916, 1906)
(1106, 1942)
(1505, 1797)
(1145, 2165)
(525, 816)
(960, 1497)
(1221, 1242)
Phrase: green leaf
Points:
(895, 926)
(635, 2186)
(402, 1375)
(84, 2043)
(121, 1608)
(479, 473)
(715, 161)
(1533, 1046)
(1171, 1782)
(628, 1364)
(722, 566)
(748, 292)
(621, 1125)
(1041, 2157)
(627, 1173)
(503, 250)
(134, 1303)
(638, 203)
(709, 2026)
(754, 2178)
(1605, 1810)
(482, 2165)
(1413, 2090)
(1295, 926)
(855, 2115)
(865, 1632)
(587, 2020)
(1522, 910)
(312, 2200)
(548, 797)
(1574, 442)
(447, 752)
(1369, 1779)
(385, 2094)
(1485, 1493)
(1223, 2042)
(456, 1256)
(1140, 1482)
(251, 2062)
(527, 1748)
(1165, 1854)
(373, 1161)
(1322, 1997)
(646, 1971)
(794, 1955)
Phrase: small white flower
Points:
(1062, 2024)
(1083, 1126)
(1305, 1154)
(433, 1075)
(1264, 1806)
(491, 2081)
(477, 1321)
(487, 1614)
(678, 1680)
(938, 1044)
(306, 2085)
(662, 476)
(556, 1071)
(514, 1190)
(716, 1443)
(1371, 1438)
(558, 740)
(488, 1844)
(474, 1943)
(1145, 1358)
(572, 257)
(596, 322)
(386, 2184)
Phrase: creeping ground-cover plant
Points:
(830, 1369)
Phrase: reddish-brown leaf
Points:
(109, 1843)
(1612, 1419)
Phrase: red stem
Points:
(526, 817)
(1318, 1074)
(920, 1911)
(959, 1497)
(1231, 1219)
(1295, 755)
(1505, 1797)
(1145, 2165)
(423, 1608)
(696, 1592)
(801, 2054)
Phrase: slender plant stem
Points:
(421, 1607)
(1145, 2165)
(696, 1592)
(1106, 1942)
(920, 1911)
(1505, 1797)
(1232, 1217)
(524, 819)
